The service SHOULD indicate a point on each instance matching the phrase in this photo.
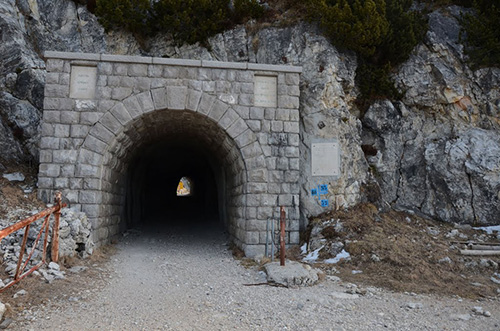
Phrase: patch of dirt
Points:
(403, 252)
(39, 292)
(19, 195)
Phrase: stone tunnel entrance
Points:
(119, 133)
(183, 145)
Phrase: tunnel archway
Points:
(107, 120)
(152, 146)
(157, 166)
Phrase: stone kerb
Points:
(78, 135)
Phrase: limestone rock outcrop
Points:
(438, 151)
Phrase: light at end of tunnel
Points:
(184, 188)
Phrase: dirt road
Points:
(174, 280)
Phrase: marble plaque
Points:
(325, 159)
(83, 82)
(265, 91)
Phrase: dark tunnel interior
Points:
(153, 178)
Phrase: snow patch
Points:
(340, 256)
(488, 229)
(303, 249)
(313, 256)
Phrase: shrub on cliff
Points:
(130, 15)
(481, 33)
(382, 32)
(188, 21)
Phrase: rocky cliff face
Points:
(437, 152)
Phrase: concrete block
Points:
(75, 183)
(292, 176)
(52, 78)
(126, 58)
(68, 170)
(51, 103)
(72, 56)
(276, 126)
(177, 62)
(56, 91)
(256, 113)
(101, 132)
(282, 114)
(286, 101)
(138, 70)
(55, 65)
(255, 126)
(206, 103)
(257, 175)
(111, 123)
(252, 237)
(64, 156)
(89, 157)
(49, 143)
(255, 188)
(228, 119)
(208, 86)
(294, 163)
(246, 99)
(79, 131)
(224, 65)
(273, 67)
(145, 101)
(245, 138)
(133, 106)
(91, 183)
(45, 182)
(237, 128)
(104, 68)
(95, 145)
(270, 114)
(92, 210)
(49, 170)
(70, 117)
(176, 97)
(218, 109)
(251, 150)
(87, 170)
(243, 111)
(61, 183)
(159, 98)
(193, 99)
(291, 127)
(120, 93)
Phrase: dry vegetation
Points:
(410, 249)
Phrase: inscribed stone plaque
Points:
(83, 82)
(265, 91)
(325, 159)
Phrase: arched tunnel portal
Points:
(120, 132)
(181, 144)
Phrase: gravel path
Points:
(178, 281)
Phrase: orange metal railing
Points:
(26, 223)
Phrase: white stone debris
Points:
(14, 177)
(344, 255)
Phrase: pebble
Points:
(20, 293)
(414, 305)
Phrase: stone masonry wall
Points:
(86, 144)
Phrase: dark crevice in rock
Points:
(400, 170)
(475, 221)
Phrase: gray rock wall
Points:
(438, 151)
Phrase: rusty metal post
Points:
(282, 235)
(21, 252)
(55, 231)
